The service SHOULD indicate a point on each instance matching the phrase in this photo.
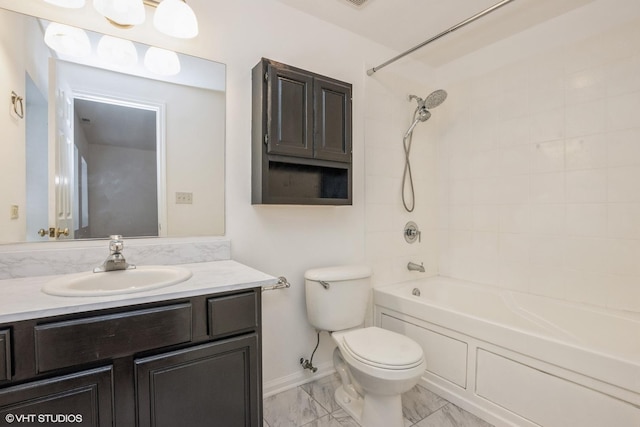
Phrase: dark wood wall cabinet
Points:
(194, 361)
(301, 137)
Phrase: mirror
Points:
(105, 148)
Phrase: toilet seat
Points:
(380, 348)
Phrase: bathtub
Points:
(516, 359)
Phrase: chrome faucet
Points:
(115, 260)
(412, 266)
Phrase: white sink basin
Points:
(140, 279)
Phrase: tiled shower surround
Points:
(539, 174)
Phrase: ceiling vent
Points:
(357, 3)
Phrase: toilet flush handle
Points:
(324, 284)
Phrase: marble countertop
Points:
(22, 299)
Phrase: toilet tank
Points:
(337, 297)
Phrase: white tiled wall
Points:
(539, 174)
(387, 117)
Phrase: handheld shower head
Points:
(420, 114)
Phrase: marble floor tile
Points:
(452, 416)
(313, 405)
(326, 421)
(322, 391)
(419, 403)
(292, 408)
(344, 419)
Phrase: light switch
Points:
(184, 198)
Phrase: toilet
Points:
(375, 365)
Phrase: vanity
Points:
(187, 354)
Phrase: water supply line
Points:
(440, 35)
(308, 363)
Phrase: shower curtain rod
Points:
(442, 34)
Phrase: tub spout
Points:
(412, 266)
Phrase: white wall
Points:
(539, 160)
(132, 195)
(12, 143)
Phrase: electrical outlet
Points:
(14, 212)
(184, 198)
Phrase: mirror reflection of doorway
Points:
(36, 150)
(116, 179)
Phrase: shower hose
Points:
(410, 204)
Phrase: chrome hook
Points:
(16, 101)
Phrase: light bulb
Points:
(122, 12)
(117, 52)
(161, 61)
(175, 18)
(67, 40)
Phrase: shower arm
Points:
(442, 34)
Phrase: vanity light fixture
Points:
(117, 52)
(174, 18)
(69, 4)
(67, 40)
(162, 62)
(121, 13)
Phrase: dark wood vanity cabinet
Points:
(214, 382)
(5, 355)
(194, 361)
(302, 136)
(83, 398)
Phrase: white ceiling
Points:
(403, 24)
(110, 124)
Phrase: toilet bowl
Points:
(375, 365)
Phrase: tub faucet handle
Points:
(412, 266)
(412, 232)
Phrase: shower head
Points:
(422, 113)
(435, 98)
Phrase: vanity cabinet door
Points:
(80, 399)
(5, 355)
(214, 384)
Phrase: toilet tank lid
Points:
(338, 273)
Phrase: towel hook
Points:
(17, 101)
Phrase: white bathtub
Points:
(520, 360)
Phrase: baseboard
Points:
(278, 385)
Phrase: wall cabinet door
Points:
(290, 112)
(332, 120)
(81, 399)
(214, 384)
